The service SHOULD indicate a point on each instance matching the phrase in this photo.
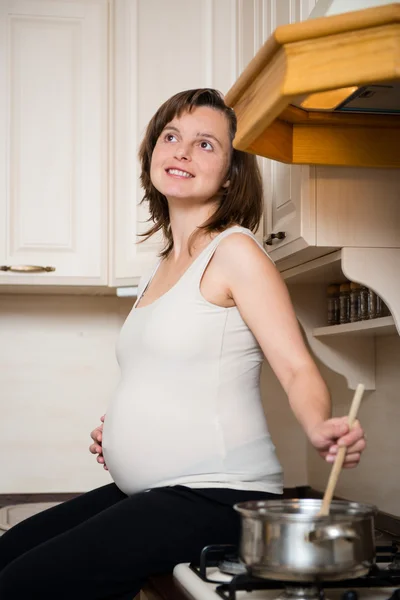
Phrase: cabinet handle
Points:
(26, 269)
(275, 236)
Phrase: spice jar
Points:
(372, 304)
(333, 304)
(344, 302)
(354, 302)
(379, 307)
(363, 311)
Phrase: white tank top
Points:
(188, 410)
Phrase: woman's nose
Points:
(182, 152)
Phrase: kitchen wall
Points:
(58, 371)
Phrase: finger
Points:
(323, 453)
(105, 467)
(100, 459)
(351, 438)
(359, 446)
(354, 457)
(92, 448)
(102, 418)
(350, 465)
(94, 434)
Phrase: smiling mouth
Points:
(179, 173)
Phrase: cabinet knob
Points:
(274, 236)
(26, 269)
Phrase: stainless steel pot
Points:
(287, 540)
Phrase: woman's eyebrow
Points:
(211, 136)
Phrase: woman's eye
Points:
(170, 137)
(206, 145)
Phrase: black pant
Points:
(104, 544)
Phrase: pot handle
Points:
(328, 533)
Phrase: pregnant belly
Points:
(142, 449)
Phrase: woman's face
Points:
(191, 157)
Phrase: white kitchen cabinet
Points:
(338, 207)
(161, 48)
(290, 209)
(53, 127)
(93, 72)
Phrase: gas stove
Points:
(219, 575)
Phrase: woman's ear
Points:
(226, 184)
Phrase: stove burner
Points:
(232, 566)
(225, 558)
(302, 593)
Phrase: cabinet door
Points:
(53, 125)
(290, 207)
(158, 54)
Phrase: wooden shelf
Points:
(381, 326)
(313, 58)
(349, 349)
(326, 269)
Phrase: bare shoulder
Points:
(239, 252)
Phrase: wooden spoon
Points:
(341, 453)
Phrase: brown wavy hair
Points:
(240, 203)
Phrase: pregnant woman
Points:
(185, 436)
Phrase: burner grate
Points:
(213, 556)
(248, 583)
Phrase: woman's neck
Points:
(184, 222)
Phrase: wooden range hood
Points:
(320, 62)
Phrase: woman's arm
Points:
(262, 298)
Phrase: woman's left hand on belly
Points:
(97, 447)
